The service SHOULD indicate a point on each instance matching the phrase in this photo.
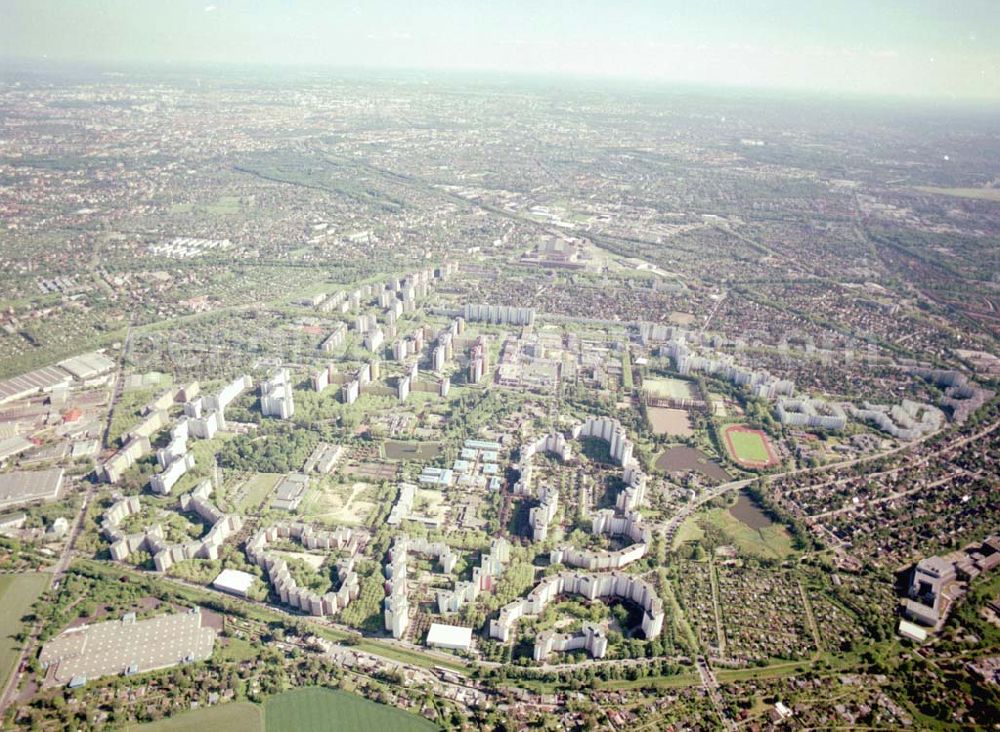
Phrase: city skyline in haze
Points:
(924, 48)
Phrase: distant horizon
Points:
(922, 49)
(26, 66)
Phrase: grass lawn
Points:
(772, 541)
(17, 594)
(304, 710)
(232, 717)
(258, 488)
(235, 649)
(749, 447)
(688, 531)
(404, 655)
(626, 369)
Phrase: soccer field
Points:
(317, 710)
(17, 594)
(748, 446)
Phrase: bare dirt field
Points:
(666, 421)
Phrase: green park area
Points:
(743, 525)
(18, 593)
(770, 542)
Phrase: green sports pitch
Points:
(748, 446)
(316, 710)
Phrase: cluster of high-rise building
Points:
(444, 345)
(478, 360)
(276, 396)
(908, 420)
(591, 638)
(620, 448)
(490, 567)
(410, 345)
(611, 431)
(137, 440)
(351, 388)
(396, 607)
(281, 579)
(498, 314)
(805, 412)
(961, 396)
(540, 516)
(207, 414)
(166, 555)
(608, 523)
(133, 450)
(335, 340)
(404, 504)
(760, 383)
(590, 586)
(396, 295)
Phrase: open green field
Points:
(982, 194)
(626, 369)
(18, 593)
(316, 709)
(748, 447)
(688, 531)
(771, 541)
(232, 717)
(667, 388)
(234, 649)
(257, 489)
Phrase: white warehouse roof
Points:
(449, 636)
(234, 581)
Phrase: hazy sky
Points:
(921, 47)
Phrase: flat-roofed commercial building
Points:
(290, 492)
(13, 446)
(449, 636)
(234, 582)
(126, 646)
(44, 379)
(25, 486)
(88, 365)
